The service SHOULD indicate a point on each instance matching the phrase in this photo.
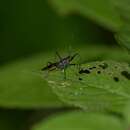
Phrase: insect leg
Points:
(64, 71)
(47, 71)
(72, 64)
(45, 68)
(72, 57)
(57, 54)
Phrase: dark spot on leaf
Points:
(80, 79)
(84, 71)
(116, 67)
(116, 79)
(92, 68)
(99, 72)
(126, 74)
(103, 66)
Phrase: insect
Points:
(62, 64)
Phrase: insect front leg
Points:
(47, 70)
(72, 64)
(64, 73)
(75, 55)
(50, 67)
(46, 67)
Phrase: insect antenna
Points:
(64, 71)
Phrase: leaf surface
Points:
(105, 16)
(80, 121)
(99, 85)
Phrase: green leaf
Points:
(80, 121)
(29, 27)
(123, 35)
(22, 85)
(127, 115)
(123, 8)
(97, 86)
(102, 12)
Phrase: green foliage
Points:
(127, 115)
(23, 86)
(107, 17)
(122, 35)
(96, 86)
(30, 34)
(81, 121)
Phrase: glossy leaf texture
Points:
(127, 115)
(22, 85)
(94, 86)
(123, 35)
(107, 17)
(80, 121)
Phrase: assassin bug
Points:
(62, 64)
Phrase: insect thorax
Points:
(63, 64)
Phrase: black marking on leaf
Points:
(116, 67)
(86, 71)
(104, 65)
(116, 79)
(92, 68)
(126, 74)
(99, 72)
(80, 79)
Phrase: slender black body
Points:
(62, 64)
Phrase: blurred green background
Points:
(28, 27)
